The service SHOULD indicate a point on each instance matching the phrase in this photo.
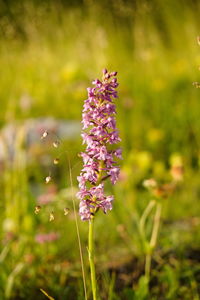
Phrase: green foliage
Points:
(49, 52)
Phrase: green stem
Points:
(91, 258)
(91, 240)
(144, 217)
(148, 265)
(153, 240)
(156, 226)
(77, 230)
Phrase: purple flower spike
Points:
(99, 159)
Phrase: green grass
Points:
(49, 53)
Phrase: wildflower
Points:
(99, 133)
(164, 190)
(150, 183)
(159, 190)
(177, 172)
(177, 167)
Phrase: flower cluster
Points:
(99, 134)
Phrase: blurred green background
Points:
(50, 51)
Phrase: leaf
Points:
(142, 292)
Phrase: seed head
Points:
(56, 161)
(44, 135)
(66, 211)
(56, 144)
(51, 217)
(48, 179)
(37, 209)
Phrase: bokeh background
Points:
(50, 51)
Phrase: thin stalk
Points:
(77, 230)
(153, 240)
(148, 265)
(145, 215)
(111, 286)
(156, 226)
(91, 258)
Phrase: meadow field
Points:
(148, 245)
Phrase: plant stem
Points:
(148, 265)
(77, 230)
(153, 240)
(144, 217)
(91, 258)
(156, 226)
(91, 241)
